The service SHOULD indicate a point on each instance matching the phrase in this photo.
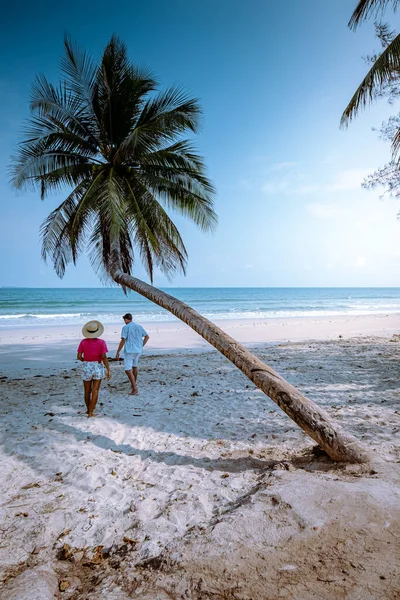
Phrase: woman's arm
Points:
(80, 356)
(107, 366)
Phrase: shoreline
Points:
(49, 348)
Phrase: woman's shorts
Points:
(92, 370)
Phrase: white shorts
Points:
(92, 370)
(131, 359)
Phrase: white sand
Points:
(216, 492)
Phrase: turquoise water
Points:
(27, 307)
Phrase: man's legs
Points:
(130, 364)
(132, 381)
(87, 386)
(95, 394)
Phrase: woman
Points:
(92, 352)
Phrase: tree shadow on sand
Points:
(345, 390)
(308, 457)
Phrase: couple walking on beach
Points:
(92, 351)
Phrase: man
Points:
(133, 338)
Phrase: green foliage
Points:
(107, 133)
(386, 66)
(381, 73)
(366, 8)
(382, 81)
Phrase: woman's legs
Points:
(87, 386)
(95, 394)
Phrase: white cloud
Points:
(327, 211)
(360, 261)
(295, 182)
(244, 184)
(278, 187)
(332, 159)
(307, 189)
(282, 166)
(350, 179)
(370, 220)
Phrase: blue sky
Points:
(273, 79)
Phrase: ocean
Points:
(36, 307)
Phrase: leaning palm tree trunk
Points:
(304, 412)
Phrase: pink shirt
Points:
(92, 349)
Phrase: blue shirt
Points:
(133, 335)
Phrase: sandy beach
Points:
(46, 349)
(200, 487)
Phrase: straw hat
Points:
(92, 329)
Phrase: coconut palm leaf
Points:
(366, 8)
(386, 67)
(64, 109)
(155, 233)
(80, 72)
(161, 121)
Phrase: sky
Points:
(273, 79)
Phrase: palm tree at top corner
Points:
(385, 68)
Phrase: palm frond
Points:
(30, 169)
(179, 196)
(155, 234)
(162, 119)
(99, 246)
(55, 231)
(396, 144)
(171, 110)
(88, 206)
(120, 92)
(178, 158)
(56, 180)
(380, 74)
(112, 224)
(58, 138)
(365, 8)
(63, 109)
(110, 203)
(80, 72)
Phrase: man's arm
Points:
(121, 345)
(146, 339)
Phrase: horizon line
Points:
(17, 287)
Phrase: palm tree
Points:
(385, 68)
(122, 152)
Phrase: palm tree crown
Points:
(106, 133)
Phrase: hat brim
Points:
(95, 334)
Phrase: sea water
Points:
(33, 307)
